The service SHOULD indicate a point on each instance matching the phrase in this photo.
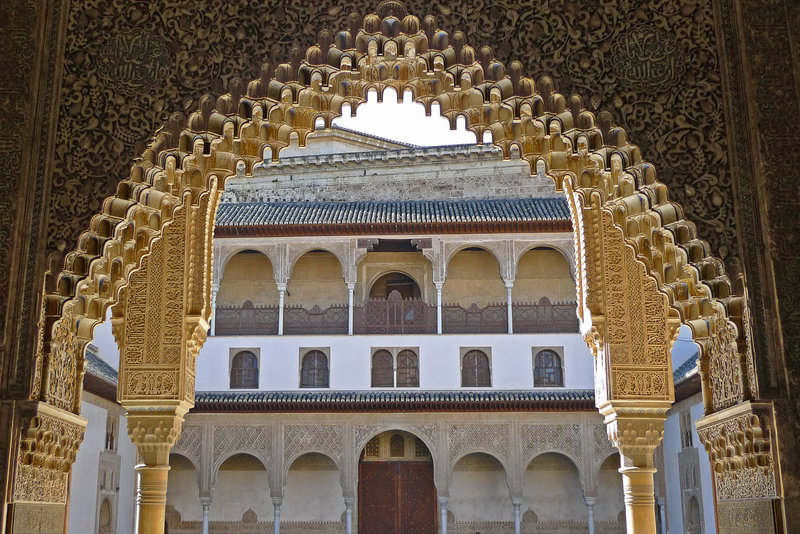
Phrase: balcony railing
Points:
(544, 317)
(396, 315)
(248, 320)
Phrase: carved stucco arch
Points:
(221, 263)
(630, 239)
(451, 249)
(265, 463)
(567, 255)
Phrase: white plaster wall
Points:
(313, 492)
(479, 490)
(552, 489)
(672, 446)
(439, 357)
(127, 478)
(83, 491)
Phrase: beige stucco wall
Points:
(248, 276)
(241, 485)
(610, 500)
(473, 276)
(479, 490)
(543, 273)
(413, 264)
(552, 489)
(316, 280)
(313, 490)
(183, 490)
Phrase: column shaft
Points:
(206, 505)
(640, 510)
(152, 498)
(517, 518)
(443, 515)
(348, 514)
(276, 517)
(590, 514)
(214, 291)
(350, 289)
(510, 307)
(439, 308)
(281, 297)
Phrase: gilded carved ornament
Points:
(625, 225)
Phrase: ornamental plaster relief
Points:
(629, 242)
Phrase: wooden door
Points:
(396, 498)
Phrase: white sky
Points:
(405, 122)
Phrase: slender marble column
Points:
(281, 297)
(348, 515)
(517, 518)
(350, 288)
(276, 515)
(509, 286)
(205, 502)
(439, 306)
(214, 291)
(662, 513)
(443, 514)
(590, 501)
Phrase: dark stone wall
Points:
(708, 89)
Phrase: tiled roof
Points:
(99, 368)
(390, 212)
(686, 370)
(391, 400)
(373, 136)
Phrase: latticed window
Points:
(244, 371)
(475, 370)
(373, 449)
(397, 446)
(407, 369)
(315, 370)
(382, 369)
(420, 449)
(547, 369)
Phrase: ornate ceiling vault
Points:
(643, 270)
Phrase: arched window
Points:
(244, 371)
(315, 370)
(475, 370)
(397, 446)
(407, 369)
(382, 369)
(547, 370)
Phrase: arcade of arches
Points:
(642, 271)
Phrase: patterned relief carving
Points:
(745, 517)
(298, 439)
(602, 445)
(252, 438)
(190, 443)
(538, 438)
(493, 438)
(740, 450)
(36, 518)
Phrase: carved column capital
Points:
(635, 429)
(154, 430)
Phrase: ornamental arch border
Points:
(641, 270)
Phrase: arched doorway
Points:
(396, 494)
(402, 283)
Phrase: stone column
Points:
(510, 304)
(281, 298)
(350, 289)
(439, 286)
(205, 502)
(348, 515)
(636, 428)
(214, 291)
(517, 518)
(590, 501)
(154, 430)
(443, 514)
(276, 515)
(662, 514)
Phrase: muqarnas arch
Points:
(641, 270)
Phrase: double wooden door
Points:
(396, 498)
